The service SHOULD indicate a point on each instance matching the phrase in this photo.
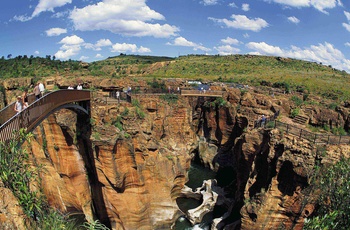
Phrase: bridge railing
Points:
(209, 93)
(39, 109)
(7, 112)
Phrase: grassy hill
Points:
(287, 73)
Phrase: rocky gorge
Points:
(127, 164)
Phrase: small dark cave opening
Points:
(288, 180)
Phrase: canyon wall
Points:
(128, 163)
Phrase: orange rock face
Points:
(129, 166)
(130, 177)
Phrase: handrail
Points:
(207, 93)
(39, 109)
(7, 112)
(316, 138)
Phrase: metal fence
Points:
(316, 138)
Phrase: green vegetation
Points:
(218, 102)
(295, 112)
(139, 112)
(17, 174)
(24, 66)
(284, 73)
(118, 123)
(170, 98)
(332, 183)
(297, 101)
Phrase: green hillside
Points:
(287, 73)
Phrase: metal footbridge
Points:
(38, 110)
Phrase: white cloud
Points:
(347, 44)
(36, 52)
(209, 2)
(346, 26)
(181, 41)
(233, 5)
(227, 50)
(72, 40)
(55, 32)
(124, 47)
(67, 51)
(83, 58)
(144, 50)
(246, 35)
(98, 56)
(230, 41)
(320, 5)
(347, 15)
(100, 43)
(43, 5)
(245, 7)
(49, 5)
(323, 53)
(293, 20)
(131, 18)
(242, 22)
(71, 45)
(103, 42)
(264, 48)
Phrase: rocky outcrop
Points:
(130, 174)
(11, 213)
(128, 162)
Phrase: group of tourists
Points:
(22, 101)
(79, 87)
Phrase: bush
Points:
(17, 174)
(332, 207)
(297, 101)
(170, 98)
(294, 112)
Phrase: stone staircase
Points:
(308, 110)
(299, 119)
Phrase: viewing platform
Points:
(199, 93)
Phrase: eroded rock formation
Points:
(127, 164)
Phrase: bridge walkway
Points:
(39, 109)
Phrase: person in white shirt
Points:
(18, 105)
(41, 88)
(118, 96)
(70, 87)
(79, 87)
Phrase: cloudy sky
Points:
(90, 30)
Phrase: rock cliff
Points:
(128, 163)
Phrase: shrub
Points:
(332, 106)
(17, 174)
(332, 207)
(170, 98)
(295, 112)
(297, 101)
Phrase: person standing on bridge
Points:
(37, 91)
(25, 98)
(41, 88)
(118, 96)
(79, 87)
(18, 105)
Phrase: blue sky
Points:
(91, 30)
